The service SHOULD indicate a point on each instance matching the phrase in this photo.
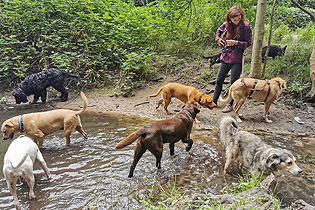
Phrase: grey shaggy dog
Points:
(38, 83)
(253, 153)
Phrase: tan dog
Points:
(183, 93)
(38, 125)
(259, 90)
(253, 153)
(153, 135)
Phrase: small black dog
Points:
(213, 59)
(274, 50)
(37, 83)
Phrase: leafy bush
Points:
(116, 42)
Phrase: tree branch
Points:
(304, 10)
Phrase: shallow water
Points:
(92, 173)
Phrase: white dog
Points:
(18, 162)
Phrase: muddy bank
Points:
(281, 112)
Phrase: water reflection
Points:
(91, 173)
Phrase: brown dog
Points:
(38, 125)
(183, 93)
(153, 135)
(260, 90)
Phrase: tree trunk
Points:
(312, 72)
(255, 70)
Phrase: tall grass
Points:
(170, 196)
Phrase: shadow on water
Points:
(91, 173)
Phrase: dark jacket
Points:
(234, 54)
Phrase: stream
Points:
(93, 174)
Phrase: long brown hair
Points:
(233, 31)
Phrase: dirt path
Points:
(281, 113)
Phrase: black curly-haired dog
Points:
(37, 83)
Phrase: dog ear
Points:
(272, 161)
(284, 84)
(191, 102)
(9, 124)
(197, 108)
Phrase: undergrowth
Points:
(119, 43)
(170, 197)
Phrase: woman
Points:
(237, 35)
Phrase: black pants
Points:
(236, 70)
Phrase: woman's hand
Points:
(221, 42)
(231, 42)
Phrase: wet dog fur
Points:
(253, 153)
(152, 136)
(239, 92)
(18, 162)
(38, 125)
(38, 83)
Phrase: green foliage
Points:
(120, 42)
(291, 16)
(306, 159)
(247, 181)
(294, 66)
(98, 39)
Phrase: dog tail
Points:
(228, 126)
(206, 57)
(70, 76)
(157, 93)
(85, 102)
(228, 99)
(19, 160)
(131, 138)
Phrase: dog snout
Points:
(299, 170)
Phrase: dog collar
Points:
(200, 98)
(188, 112)
(21, 126)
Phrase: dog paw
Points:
(268, 121)
(188, 148)
(32, 195)
(239, 120)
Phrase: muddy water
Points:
(91, 173)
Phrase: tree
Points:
(255, 70)
(312, 72)
(312, 58)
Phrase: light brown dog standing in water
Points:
(183, 93)
(259, 90)
(38, 125)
